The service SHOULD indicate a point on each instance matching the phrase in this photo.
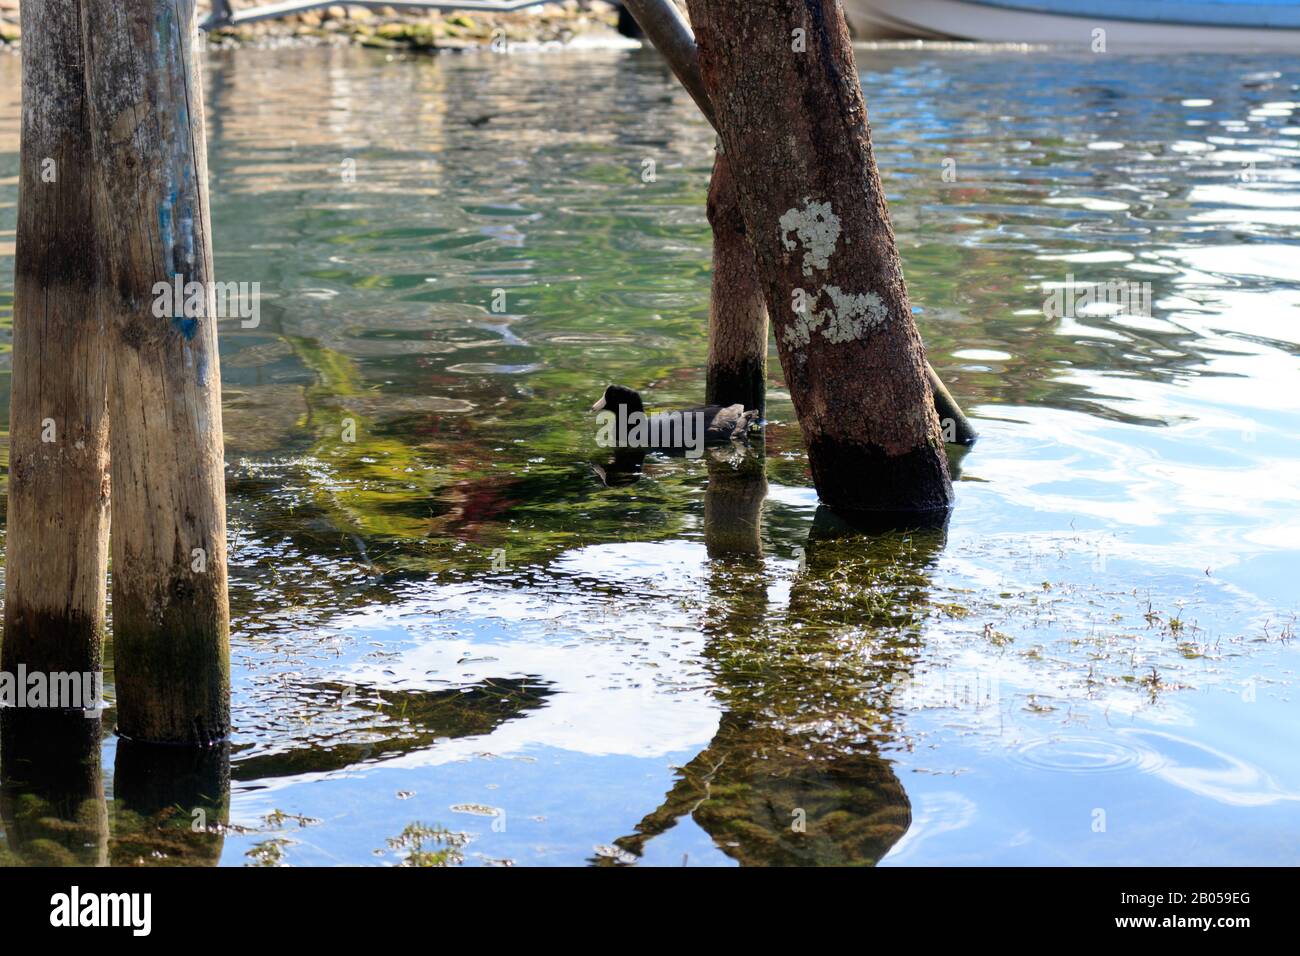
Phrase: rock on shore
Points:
(385, 27)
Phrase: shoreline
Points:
(560, 23)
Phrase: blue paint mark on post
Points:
(186, 326)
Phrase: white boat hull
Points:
(967, 20)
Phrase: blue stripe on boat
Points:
(1224, 13)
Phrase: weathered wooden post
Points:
(784, 88)
(170, 613)
(57, 540)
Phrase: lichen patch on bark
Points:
(816, 228)
(850, 315)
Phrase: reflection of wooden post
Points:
(737, 314)
(52, 805)
(170, 614)
(170, 800)
(784, 86)
(57, 543)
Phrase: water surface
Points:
(455, 643)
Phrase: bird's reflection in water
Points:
(170, 805)
(794, 774)
(623, 468)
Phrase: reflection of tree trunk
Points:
(765, 802)
(733, 503)
(170, 804)
(52, 789)
(737, 370)
(793, 775)
(784, 86)
(928, 531)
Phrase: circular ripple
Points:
(1084, 755)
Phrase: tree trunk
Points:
(784, 86)
(57, 544)
(737, 368)
(170, 613)
(737, 313)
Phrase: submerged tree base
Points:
(860, 479)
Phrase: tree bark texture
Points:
(57, 539)
(170, 612)
(784, 86)
(737, 369)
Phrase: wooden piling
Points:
(170, 612)
(784, 87)
(57, 538)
